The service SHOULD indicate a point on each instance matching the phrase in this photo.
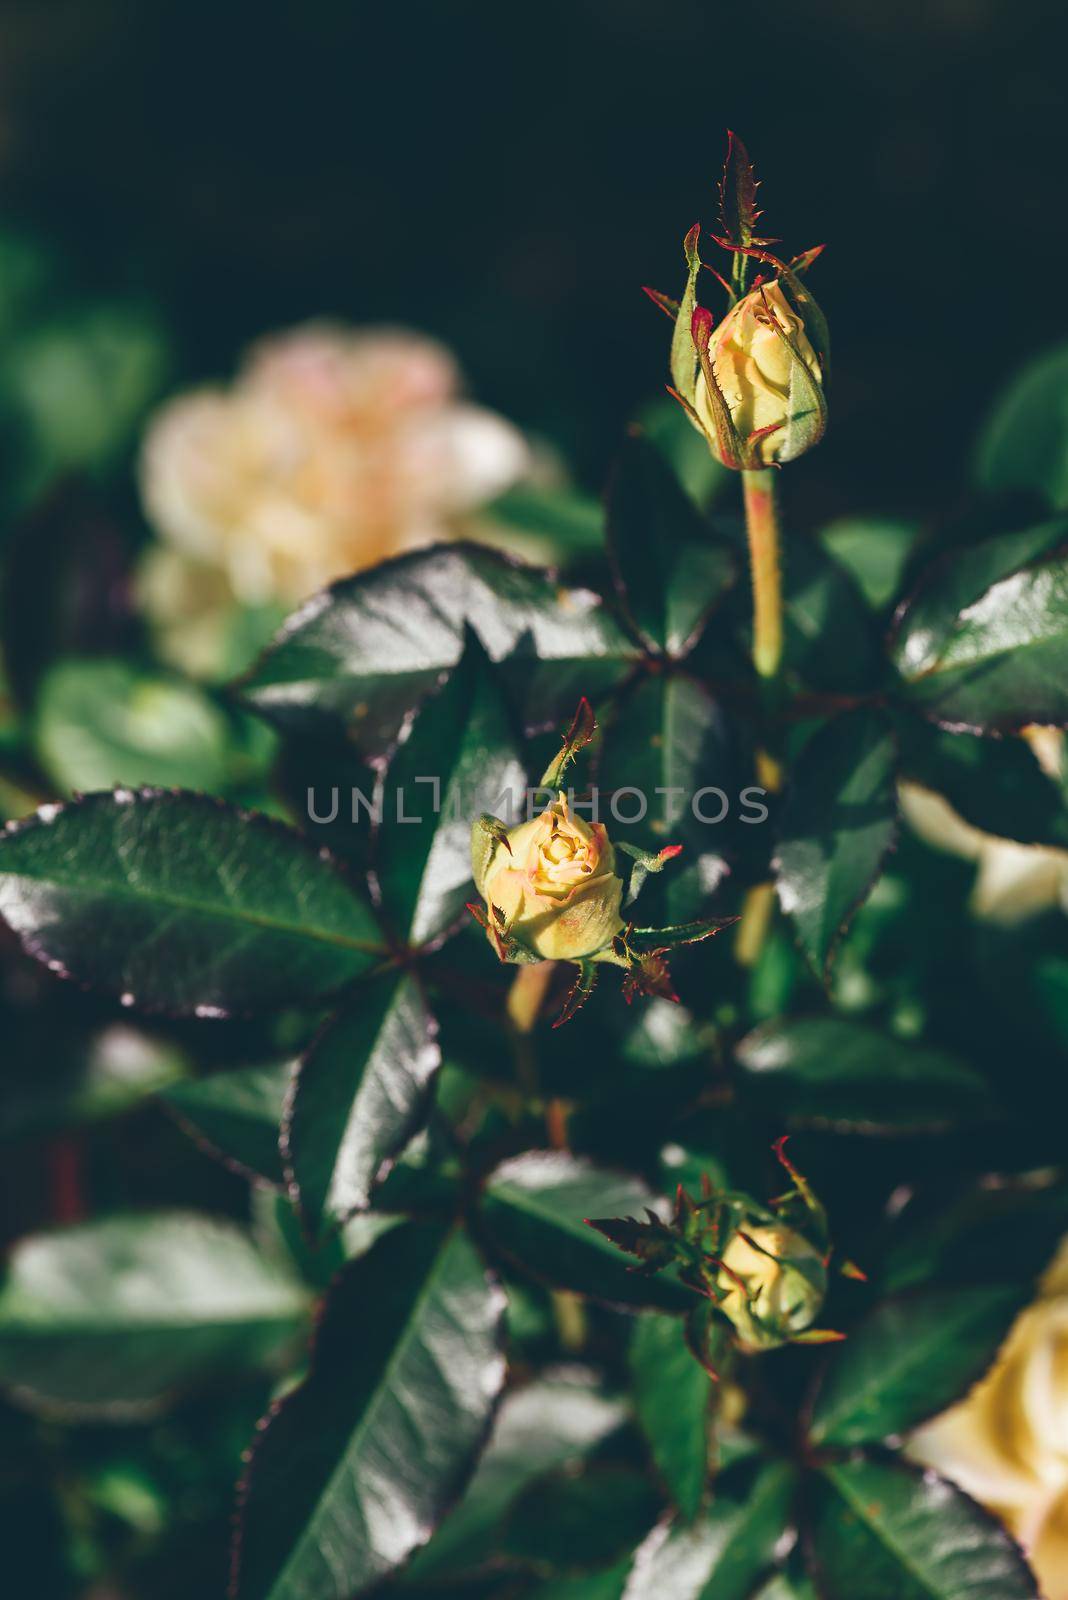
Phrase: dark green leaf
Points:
(881, 1528)
(995, 784)
(549, 1424)
(686, 451)
(574, 1520)
(1024, 446)
(1004, 1231)
(667, 744)
(909, 1359)
(358, 1096)
(722, 1555)
(606, 1584)
(548, 524)
(985, 644)
(238, 1114)
(673, 1400)
(875, 551)
(534, 1210)
(829, 637)
(115, 1315)
(88, 1081)
(80, 381)
(361, 654)
(457, 758)
(668, 564)
(832, 1072)
(98, 723)
(785, 1586)
(837, 827)
(180, 903)
(356, 1467)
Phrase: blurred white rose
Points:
(1006, 1443)
(331, 451)
(1014, 881)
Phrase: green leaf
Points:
(355, 1468)
(457, 756)
(534, 1209)
(358, 1096)
(178, 902)
(237, 1114)
(549, 1424)
(788, 1586)
(673, 1400)
(667, 744)
(882, 1528)
(88, 1081)
(874, 551)
(1024, 445)
(984, 646)
(829, 638)
(1004, 1232)
(837, 827)
(117, 1315)
(909, 1359)
(685, 450)
(668, 565)
(570, 1521)
(99, 723)
(722, 1555)
(80, 383)
(835, 1073)
(358, 656)
(607, 1584)
(995, 784)
(546, 522)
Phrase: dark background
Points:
(507, 177)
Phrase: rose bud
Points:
(772, 1282)
(551, 887)
(769, 375)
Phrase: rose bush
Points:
(636, 1262)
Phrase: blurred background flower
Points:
(1013, 881)
(1007, 1442)
(332, 450)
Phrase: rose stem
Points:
(762, 528)
(524, 1003)
(525, 999)
(758, 907)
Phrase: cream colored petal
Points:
(1047, 1545)
(1017, 881)
(959, 1445)
(937, 824)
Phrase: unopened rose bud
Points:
(770, 377)
(550, 885)
(773, 1282)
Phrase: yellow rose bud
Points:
(773, 396)
(765, 1294)
(554, 883)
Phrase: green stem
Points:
(762, 527)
